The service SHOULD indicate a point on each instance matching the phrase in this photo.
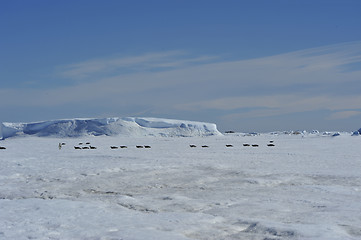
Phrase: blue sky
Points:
(245, 65)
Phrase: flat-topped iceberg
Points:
(128, 126)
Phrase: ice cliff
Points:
(129, 126)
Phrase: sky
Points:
(247, 66)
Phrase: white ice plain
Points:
(307, 186)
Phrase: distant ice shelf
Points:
(127, 126)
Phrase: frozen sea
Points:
(305, 187)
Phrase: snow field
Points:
(306, 187)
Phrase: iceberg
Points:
(128, 126)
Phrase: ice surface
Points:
(110, 127)
(305, 187)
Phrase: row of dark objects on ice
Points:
(270, 144)
(137, 146)
(88, 146)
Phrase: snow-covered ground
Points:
(305, 187)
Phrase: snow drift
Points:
(130, 126)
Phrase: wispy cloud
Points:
(344, 114)
(272, 105)
(118, 65)
(307, 80)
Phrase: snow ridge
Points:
(128, 126)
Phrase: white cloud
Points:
(306, 80)
(344, 114)
(111, 65)
(271, 105)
